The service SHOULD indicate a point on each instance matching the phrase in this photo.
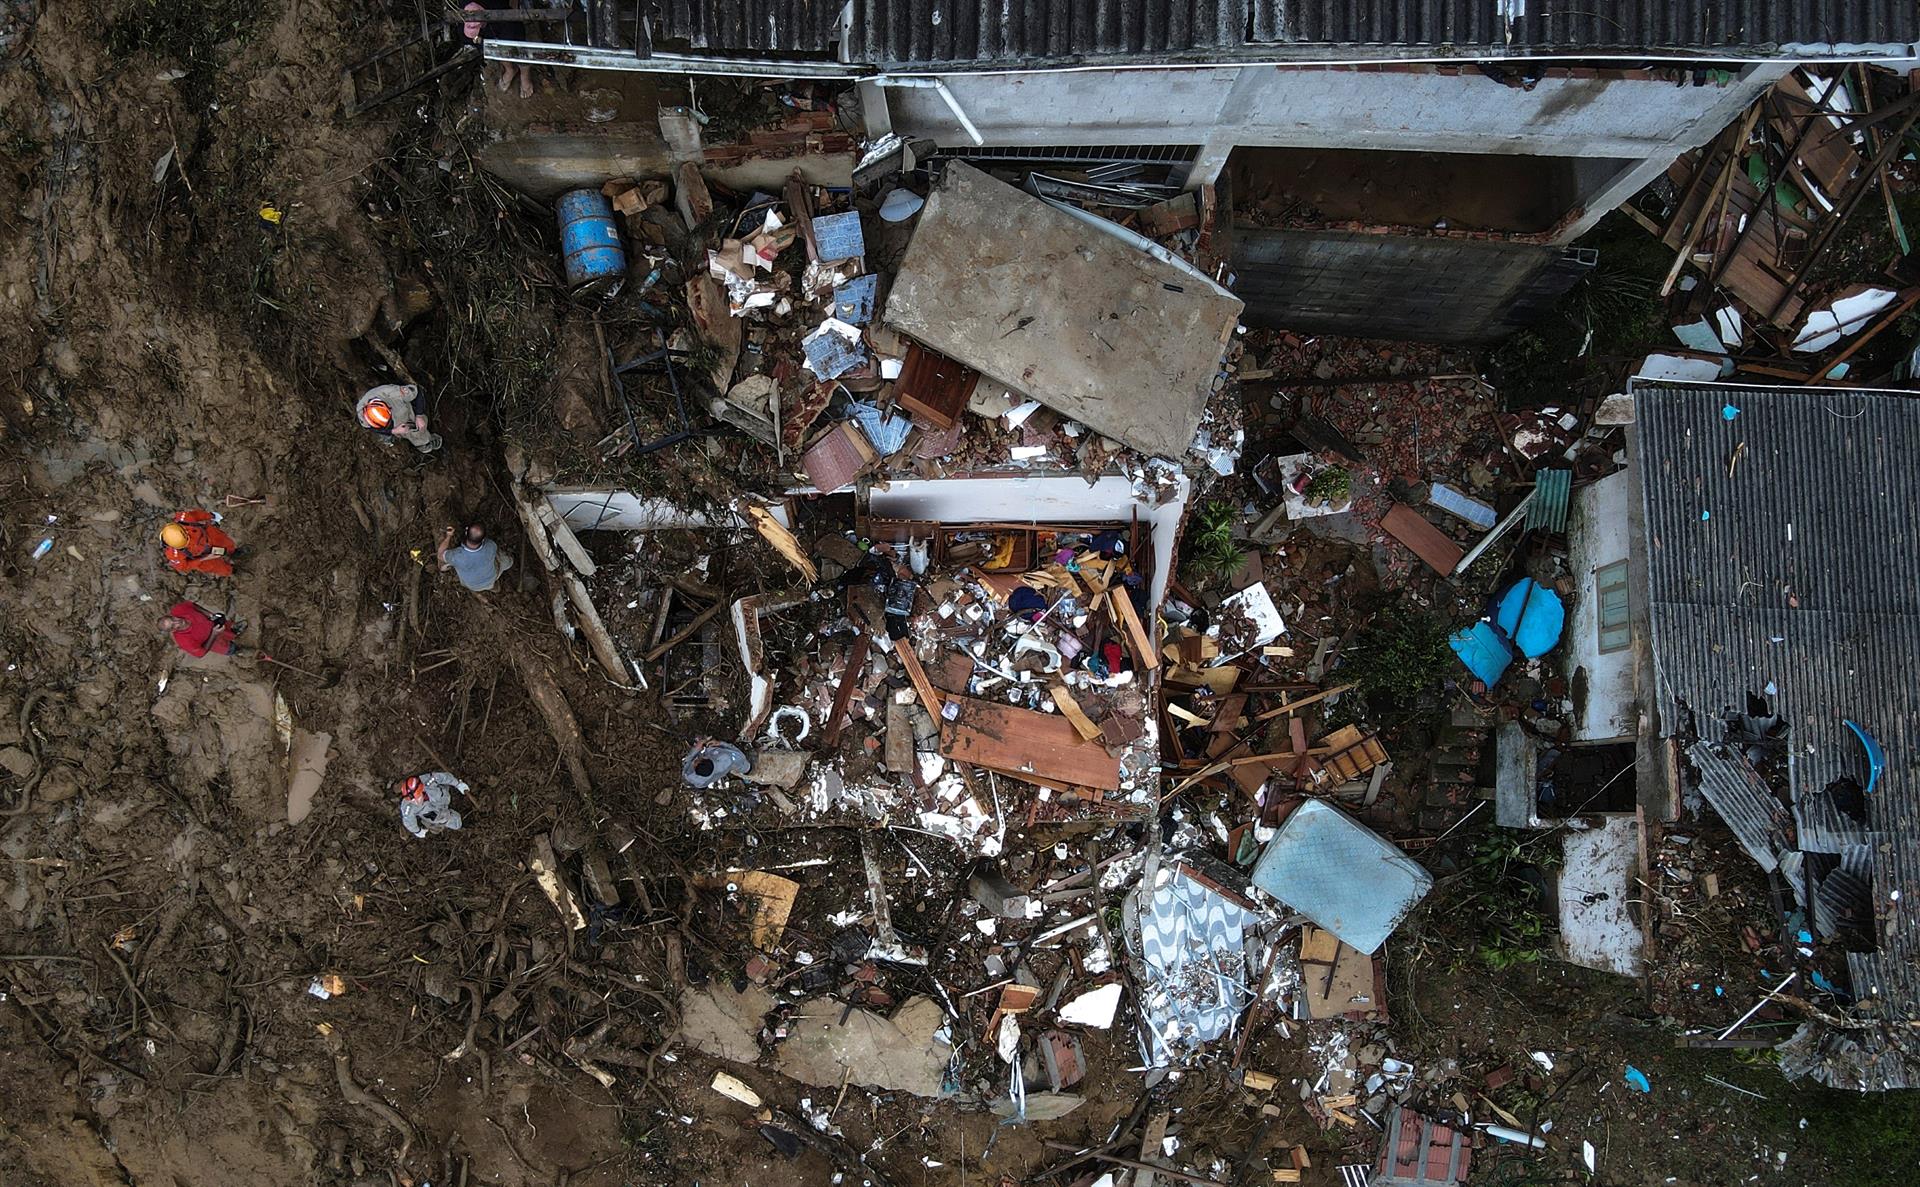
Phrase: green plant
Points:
(1506, 908)
(1211, 551)
(1403, 652)
(1332, 485)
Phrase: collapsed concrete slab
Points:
(1065, 308)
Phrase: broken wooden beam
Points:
(843, 694)
(686, 632)
(1031, 746)
(929, 697)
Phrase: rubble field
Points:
(870, 773)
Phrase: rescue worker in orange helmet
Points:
(195, 544)
(389, 410)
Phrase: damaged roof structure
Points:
(1785, 629)
(1509, 130)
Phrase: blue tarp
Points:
(1532, 616)
(853, 301)
(885, 431)
(1485, 653)
(1528, 618)
(830, 356)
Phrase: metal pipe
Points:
(921, 83)
(1756, 1006)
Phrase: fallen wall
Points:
(1599, 533)
(1063, 311)
(1022, 498)
(1421, 288)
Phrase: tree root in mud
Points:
(353, 1094)
(39, 771)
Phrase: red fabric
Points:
(200, 635)
(203, 540)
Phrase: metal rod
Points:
(1756, 1006)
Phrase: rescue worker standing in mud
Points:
(476, 560)
(389, 409)
(426, 802)
(197, 630)
(195, 544)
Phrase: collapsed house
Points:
(1741, 631)
(990, 408)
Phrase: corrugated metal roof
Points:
(923, 33)
(750, 26)
(1796, 572)
(1558, 25)
(1730, 784)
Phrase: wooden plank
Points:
(1303, 702)
(536, 533)
(1716, 200)
(933, 388)
(843, 693)
(1229, 717)
(1121, 607)
(686, 632)
(1071, 710)
(929, 698)
(564, 537)
(1428, 543)
(604, 648)
(1150, 1145)
(897, 749)
(1034, 746)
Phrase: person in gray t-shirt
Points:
(476, 561)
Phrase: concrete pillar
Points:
(874, 112)
(1218, 146)
(1635, 176)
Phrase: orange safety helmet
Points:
(412, 789)
(376, 414)
(174, 536)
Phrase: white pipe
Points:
(918, 83)
(1775, 992)
(1507, 1134)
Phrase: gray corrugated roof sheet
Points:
(1559, 25)
(750, 26)
(921, 33)
(1798, 571)
(1730, 784)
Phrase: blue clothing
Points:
(478, 568)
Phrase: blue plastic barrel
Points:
(589, 242)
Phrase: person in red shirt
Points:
(195, 544)
(197, 630)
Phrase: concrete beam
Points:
(1635, 176)
(1625, 114)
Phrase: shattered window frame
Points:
(1613, 622)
